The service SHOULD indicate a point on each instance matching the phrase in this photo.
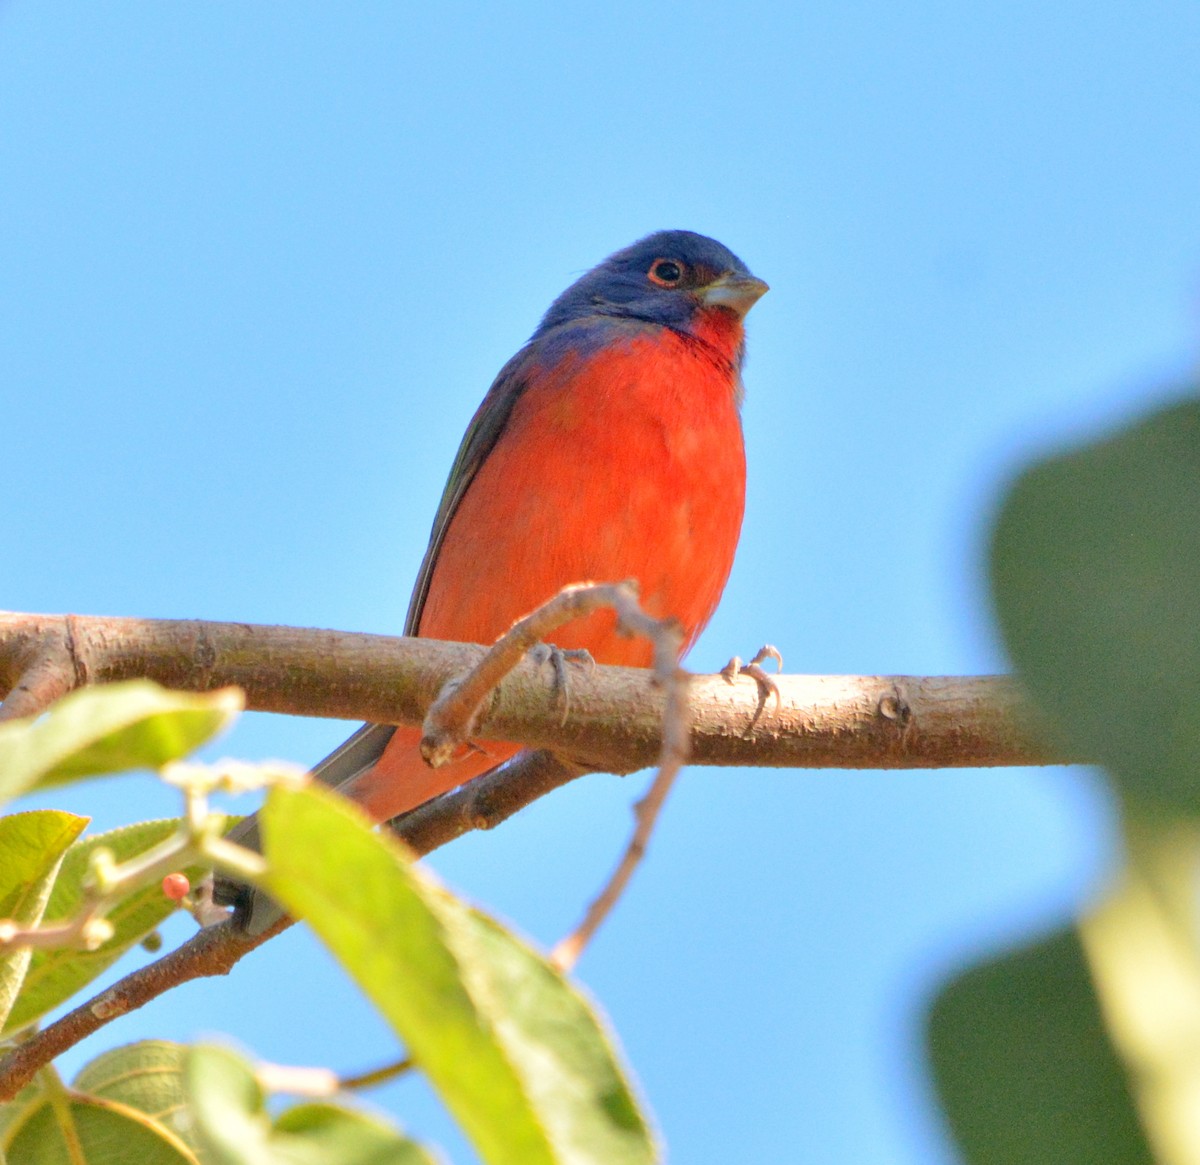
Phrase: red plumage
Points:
(624, 463)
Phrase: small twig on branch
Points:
(377, 1076)
(452, 717)
(566, 953)
(320, 1083)
(676, 744)
(196, 841)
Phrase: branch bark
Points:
(616, 714)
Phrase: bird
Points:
(609, 447)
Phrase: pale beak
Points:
(739, 293)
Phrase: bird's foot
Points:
(558, 659)
(754, 669)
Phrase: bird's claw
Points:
(558, 659)
(754, 669)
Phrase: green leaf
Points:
(110, 729)
(233, 1125)
(31, 849)
(336, 1135)
(74, 1130)
(514, 1051)
(228, 1106)
(55, 975)
(146, 1076)
(14, 1113)
(1024, 1066)
(1096, 577)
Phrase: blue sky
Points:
(259, 262)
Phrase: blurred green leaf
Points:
(13, 1113)
(74, 1130)
(1096, 578)
(514, 1051)
(1140, 938)
(55, 975)
(146, 1076)
(32, 846)
(338, 1135)
(110, 729)
(233, 1125)
(1024, 1066)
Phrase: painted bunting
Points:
(609, 447)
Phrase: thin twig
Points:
(566, 953)
(674, 755)
(315, 1083)
(377, 1076)
(452, 717)
(196, 841)
(324, 1082)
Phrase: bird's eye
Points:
(666, 272)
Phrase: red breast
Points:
(627, 463)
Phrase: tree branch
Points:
(44, 666)
(615, 722)
(615, 717)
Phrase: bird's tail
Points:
(399, 779)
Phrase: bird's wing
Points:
(362, 750)
(481, 436)
(367, 745)
(354, 755)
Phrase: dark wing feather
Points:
(481, 436)
(366, 746)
